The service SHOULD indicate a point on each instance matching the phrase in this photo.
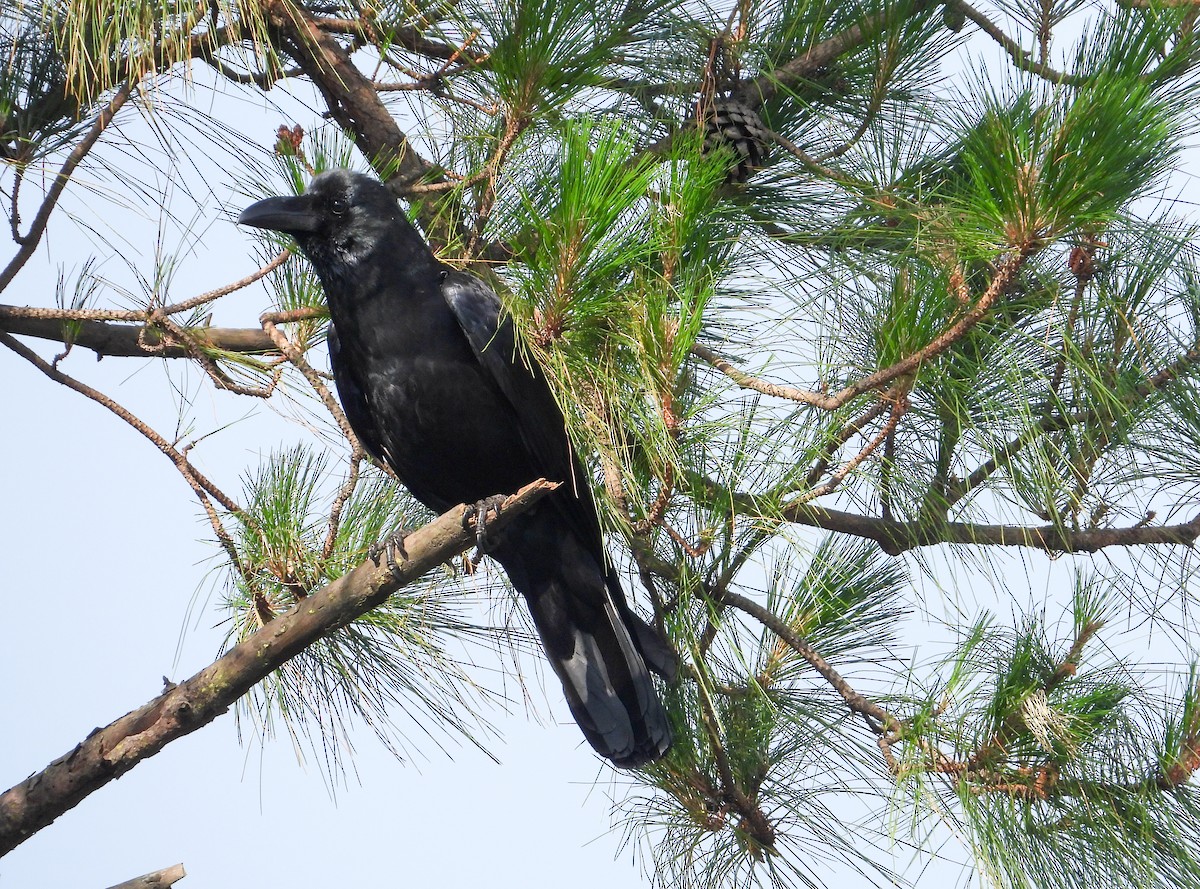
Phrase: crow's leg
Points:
(388, 548)
(479, 512)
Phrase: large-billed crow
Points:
(431, 380)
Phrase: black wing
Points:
(354, 400)
(491, 335)
(543, 431)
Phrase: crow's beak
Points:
(288, 214)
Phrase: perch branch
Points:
(108, 753)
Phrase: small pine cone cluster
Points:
(737, 126)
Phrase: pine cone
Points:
(737, 126)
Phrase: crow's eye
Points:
(338, 206)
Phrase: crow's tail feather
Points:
(597, 646)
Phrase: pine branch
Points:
(755, 821)
(895, 537)
(1006, 273)
(198, 481)
(356, 106)
(1014, 723)
(1176, 369)
(759, 90)
(855, 700)
(406, 36)
(118, 340)
(1020, 57)
(108, 753)
(206, 492)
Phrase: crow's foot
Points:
(388, 549)
(479, 512)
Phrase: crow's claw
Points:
(388, 549)
(479, 512)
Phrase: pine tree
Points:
(856, 330)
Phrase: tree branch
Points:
(159, 879)
(1179, 367)
(1006, 273)
(1020, 57)
(108, 753)
(856, 701)
(896, 537)
(354, 103)
(30, 240)
(408, 37)
(199, 482)
(118, 340)
(1014, 722)
(758, 90)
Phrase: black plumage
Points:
(431, 379)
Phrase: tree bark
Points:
(126, 340)
(159, 879)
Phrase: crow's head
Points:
(340, 219)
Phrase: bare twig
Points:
(258, 274)
(856, 701)
(1022, 59)
(1003, 279)
(30, 240)
(296, 357)
(899, 406)
(204, 489)
(195, 478)
(339, 503)
(514, 125)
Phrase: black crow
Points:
(432, 381)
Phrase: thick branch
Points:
(132, 340)
(159, 879)
(1020, 57)
(112, 751)
(895, 537)
(351, 99)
